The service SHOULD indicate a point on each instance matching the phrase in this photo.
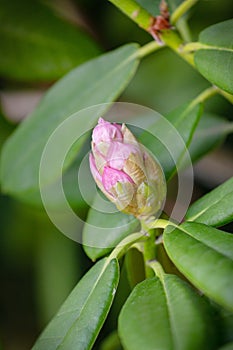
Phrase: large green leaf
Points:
(97, 81)
(177, 130)
(166, 314)
(104, 230)
(37, 45)
(216, 62)
(203, 142)
(79, 320)
(215, 208)
(55, 197)
(205, 256)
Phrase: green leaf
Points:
(205, 256)
(79, 320)
(215, 208)
(103, 230)
(184, 120)
(216, 62)
(37, 45)
(204, 142)
(98, 81)
(166, 314)
(55, 197)
(152, 6)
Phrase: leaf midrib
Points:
(211, 205)
(205, 244)
(170, 316)
(215, 48)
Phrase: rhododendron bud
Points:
(125, 172)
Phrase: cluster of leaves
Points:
(165, 311)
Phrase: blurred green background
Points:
(39, 266)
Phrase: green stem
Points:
(169, 38)
(225, 94)
(204, 95)
(159, 223)
(124, 245)
(149, 48)
(157, 268)
(149, 253)
(174, 41)
(144, 19)
(134, 11)
(195, 46)
(182, 9)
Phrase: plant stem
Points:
(182, 9)
(144, 19)
(157, 268)
(225, 94)
(159, 223)
(204, 95)
(195, 46)
(134, 11)
(149, 253)
(174, 41)
(169, 37)
(124, 245)
(149, 48)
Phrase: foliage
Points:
(175, 302)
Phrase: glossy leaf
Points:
(79, 320)
(205, 256)
(216, 63)
(103, 230)
(37, 45)
(185, 121)
(203, 142)
(54, 197)
(85, 86)
(166, 314)
(215, 208)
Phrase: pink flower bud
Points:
(125, 172)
